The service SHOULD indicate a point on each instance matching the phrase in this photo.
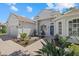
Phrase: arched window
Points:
(74, 27)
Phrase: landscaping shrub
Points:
(50, 49)
(56, 47)
(61, 41)
(0, 31)
(4, 29)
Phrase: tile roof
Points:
(72, 11)
(47, 13)
(23, 19)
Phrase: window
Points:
(77, 20)
(74, 27)
(74, 21)
(52, 29)
(60, 27)
(78, 25)
(78, 31)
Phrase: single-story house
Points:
(48, 22)
(52, 22)
(19, 24)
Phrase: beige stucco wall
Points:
(47, 23)
(14, 29)
(45, 18)
(12, 26)
(57, 26)
(62, 18)
(67, 19)
(25, 28)
(65, 25)
(47, 13)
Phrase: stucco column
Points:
(64, 26)
(37, 27)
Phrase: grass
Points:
(1, 34)
(75, 48)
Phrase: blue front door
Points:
(52, 30)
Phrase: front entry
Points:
(43, 29)
(52, 29)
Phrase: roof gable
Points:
(72, 11)
(23, 19)
(47, 13)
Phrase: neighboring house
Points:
(53, 22)
(1, 26)
(18, 24)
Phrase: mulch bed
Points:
(18, 41)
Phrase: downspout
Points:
(38, 27)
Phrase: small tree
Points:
(4, 29)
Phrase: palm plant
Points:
(24, 38)
(52, 49)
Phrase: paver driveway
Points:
(8, 47)
(34, 47)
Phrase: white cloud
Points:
(11, 4)
(60, 6)
(32, 18)
(29, 9)
(67, 5)
(14, 8)
(50, 5)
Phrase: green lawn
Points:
(1, 34)
(75, 48)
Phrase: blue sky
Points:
(31, 9)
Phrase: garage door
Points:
(13, 31)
